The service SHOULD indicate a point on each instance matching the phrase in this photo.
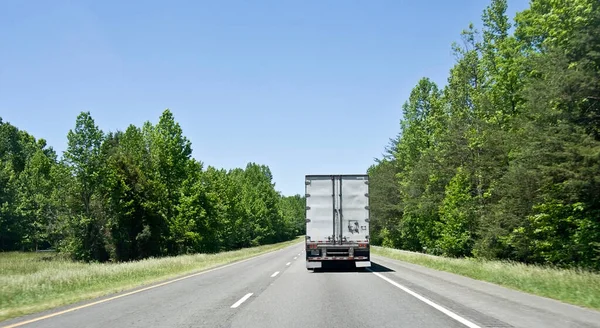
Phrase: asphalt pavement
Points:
(276, 290)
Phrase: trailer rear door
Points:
(319, 208)
(354, 205)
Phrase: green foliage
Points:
(456, 225)
(26, 170)
(85, 233)
(136, 194)
(561, 234)
(35, 207)
(503, 162)
(549, 23)
(84, 159)
(293, 213)
(384, 203)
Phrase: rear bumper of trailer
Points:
(317, 263)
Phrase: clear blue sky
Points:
(305, 87)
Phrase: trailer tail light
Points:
(362, 245)
(312, 246)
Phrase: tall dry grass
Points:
(32, 282)
(579, 287)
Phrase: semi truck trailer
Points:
(337, 220)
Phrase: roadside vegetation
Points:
(122, 209)
(575, 286)
(32, 282)
(129, 195)
(503, 162)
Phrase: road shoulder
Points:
(122, 295)
(479, 299)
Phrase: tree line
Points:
(133, 194)
(503, 162)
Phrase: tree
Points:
(457, 221)
(11, 165)
(84, 158)
(85, 240)
(170, 153)
(550, 23)
(503, 162)
(292, 212)
(130, 195)
(385, 204)
(26, 182)
(35, 207)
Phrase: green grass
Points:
(573, 286)
(32, 282)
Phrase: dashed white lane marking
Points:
(288, 263)
(242, 300)
(295, 257)
(18, 324)
(428, 302)
(274, 274)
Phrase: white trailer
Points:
(337, 220)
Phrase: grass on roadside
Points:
(573, 286)
(33, 282)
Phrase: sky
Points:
(305, 87)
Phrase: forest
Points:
(503, 162)
(133, 194)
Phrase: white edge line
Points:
(288, 263)
(274, 274)
(428, 302)
(51, 315)
(242, 300)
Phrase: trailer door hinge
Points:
(307, 208)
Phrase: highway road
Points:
(276, 290)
